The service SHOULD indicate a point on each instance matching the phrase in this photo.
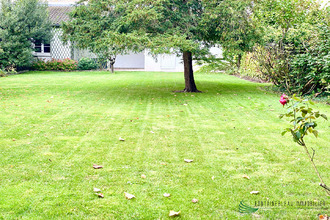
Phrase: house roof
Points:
(57, 14)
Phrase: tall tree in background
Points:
(230, 23)
(183, 27)
(93, 27)
(21, 24)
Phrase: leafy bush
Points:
(303, 118)
(53, 64)
(294, 54)
(271, 63)
(9, 70)
(87, 64)
(300, 66)
(311, 69)
(21, 24)
(249, 67)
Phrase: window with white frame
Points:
(40, 47)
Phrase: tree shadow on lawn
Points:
(132, 91)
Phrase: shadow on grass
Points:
(165, 89)
(136, 84)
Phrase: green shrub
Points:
(311, 69)
(272, 64)
(22, 23)
(298, 66)
(87, 64)
(61, 65)
(249, 67)
(39, 65)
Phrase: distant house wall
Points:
(58, 49)
(132, 60)
(163, 62)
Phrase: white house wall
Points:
(59, 50)
(163, 62)
(132, 60)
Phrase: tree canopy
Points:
(182, 27)
(21, 24)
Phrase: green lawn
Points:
(54, 126)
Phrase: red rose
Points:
(284, 99)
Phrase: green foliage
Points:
(302, 118)
(295, 51)
(54, 64)
(164, 26)
(87, 64)
(249, 67)
(310, 70)
(303, 123)
(96, 27)
(271, 63)
(135, 25)
(22, 23)
(300, 67)
(233, 28)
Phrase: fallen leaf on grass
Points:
(121, 139)
(143, 176)
(174, 213)
(97, 166)
(129, 196)
(14, 139)
(164, 164)
(96, 190)
(324, 217)
(166, 195)
(254, 192)
(100, 195)
(246, 176)
(188, 160)
(194, 200)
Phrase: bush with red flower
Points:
(55, 64)
(303, 118)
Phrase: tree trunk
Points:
(190, 85)
(238, 61)
(112, 61)
(112, 67)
